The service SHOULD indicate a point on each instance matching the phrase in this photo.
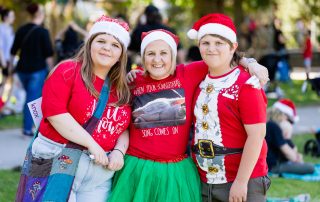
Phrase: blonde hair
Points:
(274, 114)
(173, 62)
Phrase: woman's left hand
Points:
(238, 192)
(116, 160)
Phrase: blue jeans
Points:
(32, 84)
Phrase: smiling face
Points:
(158, 60)
(105, 51)
(217, 53)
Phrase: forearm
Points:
(289, 153)
(251, 151)
(50, 63)
(123, 142)
(70, 129)
(250, 155)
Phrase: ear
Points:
(235, 46)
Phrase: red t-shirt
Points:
(65, 92)
(231, 103)
(307, 53)
(161, 113)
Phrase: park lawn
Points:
(11, 121)
(292, 91)
(8, 184)
(279, 187)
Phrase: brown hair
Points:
(237, 55)
(117, 73)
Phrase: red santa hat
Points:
(215, 23)
(159, 34)
(287, 107)
(115, 27)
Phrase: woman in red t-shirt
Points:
(230, 118)
(70, 96)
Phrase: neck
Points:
(218, 71)
(101, 72)
(37, 21)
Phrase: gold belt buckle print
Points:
(205, 148)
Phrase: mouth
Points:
(157, 66)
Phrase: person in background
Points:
(153, 21)
(70, 96)
(229, 118)
(282, 153)
(33, 43)
(6, 41)
(6, 37)
(307, 55)
(67, 41)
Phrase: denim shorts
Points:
(92, 182)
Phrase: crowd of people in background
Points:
(161, 96)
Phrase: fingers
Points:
(101, 159)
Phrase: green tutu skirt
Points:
(149, 181)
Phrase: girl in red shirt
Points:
(70, 96)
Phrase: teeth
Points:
(157, 66)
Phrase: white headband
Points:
(159, 35)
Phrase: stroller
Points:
(315, 85)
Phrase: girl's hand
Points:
(132, 75)
(116, 160)
(238, 192)
(99, 154)
(259, 71)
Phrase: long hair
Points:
(116, 74)
(237, 55)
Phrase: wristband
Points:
(119, 151)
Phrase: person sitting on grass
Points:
(282, 153)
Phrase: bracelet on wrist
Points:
(119, 151)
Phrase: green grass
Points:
(8, 184)
(281, 187)
(12, 121)
(293, 92)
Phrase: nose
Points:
(106, 46)
(211, 47)
(157, 58)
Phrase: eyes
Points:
(217, 44)
(153, 53)
(114, 44)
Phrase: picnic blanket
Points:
(307, 177)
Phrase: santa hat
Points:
(287, 107)
(159, 34)
(215, 23)
(115, 27)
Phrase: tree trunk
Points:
(203, 7)
(238, 12)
